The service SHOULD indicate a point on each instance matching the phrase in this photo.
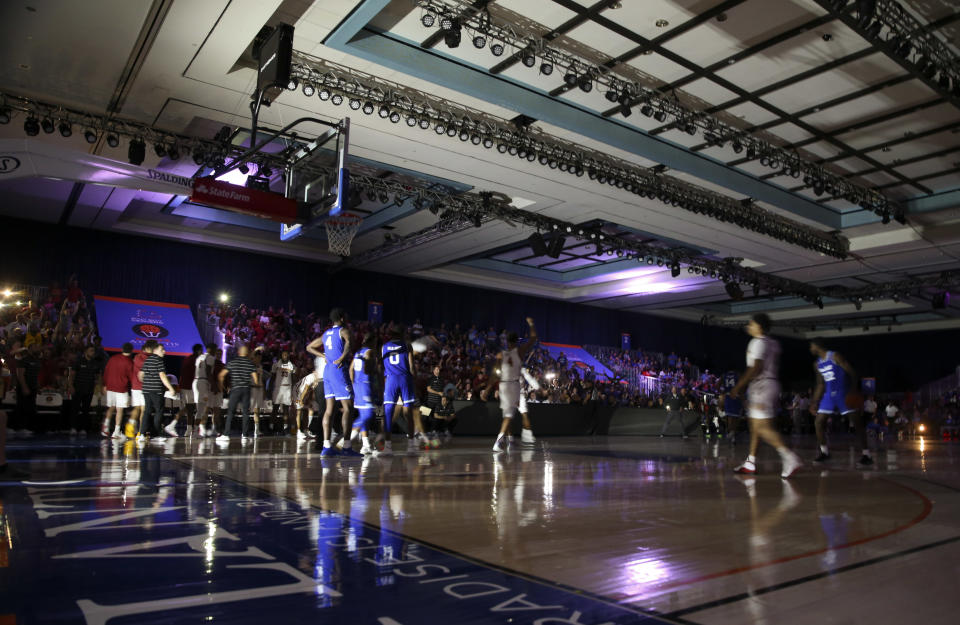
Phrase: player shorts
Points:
(186, 396)
(118, 400)
(201, 392)
(762, 398)
(136, 398)
(509, 398)
(256, 396)
(834, 403)
(523, 402)
(281, 395)
(312, 405)
(363, 397)
(336, 384)
(399, 387)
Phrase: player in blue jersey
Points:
(366, 367)
(335, 344)
(835, 377)
(399, 372)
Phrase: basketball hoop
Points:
(340, 232)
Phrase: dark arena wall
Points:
(165, 270)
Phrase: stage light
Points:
(136, 152)
(4, 115)
(265, 170)
(690, 129)
(475, 139)
(446, 22)
(660, 116)
(173, 153)
(675, 270)
(336, 99)
(496, 48)
(531, 157)
(452, 36)
(383, 111)
(451, 131)
(368, 108)
(355, 104)
(424, 123)
(324, 94)
(7, 292)
(487, 142)
(47, 125)
(646, 110)
(546, 68)
(159, 149)
(308, 89)
(440, 128)
(90, 135)
(734, 291)
(198, 156)
(502, 148)
(31, 126)
(65, 129)
(224, 297)
(477, 220)
(555, 248)
(513, 150)
(293, 84)
(479, 42)
(611, 95)
(537, 244)
(411, 121)
(244, 169)
(570, 78)
(428, 20)
(586, 84)
(529, 59)
(464, 135)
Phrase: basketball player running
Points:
(202, 394)
(361, 374)
(509, 363)
(336, 386)
(834, 375)
(763, 393)
(526, 434)
(398, 383)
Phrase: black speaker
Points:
(274, 56)
(537, 244)
(556, 246)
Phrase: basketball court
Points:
(576, 530)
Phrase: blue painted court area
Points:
(144, 538)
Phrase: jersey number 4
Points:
(329, 342)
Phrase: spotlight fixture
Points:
(487, 142)
(324, 94)
(383, 112)
(159, 149)
(293, 84)
(355, 104)
(660, 116)
(479, 42)
(585, 83)
(428, 19)
(47, 125)
(199, 157)
(611, 95)
(446, 22)
(31, 126)
(136, 152)
(411, 121)
(424, 123)
(65, 128)
(173, 153)
(675, 270)
(734, 291)
(452, 35)
(528, 58)
(546, 68)
(646, 110)
(464, 135)
(451, 131)
(475, 139)
(90, 135)
(337, 99)
(368, 108)
(308, 89)
(496, 48)
(244, 169)
(4, 115)
(570, 78)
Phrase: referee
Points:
(243, 374)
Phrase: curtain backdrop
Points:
(158, 269)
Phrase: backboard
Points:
(318, 179)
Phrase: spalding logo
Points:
(150, 331)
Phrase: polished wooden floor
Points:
(660, 528)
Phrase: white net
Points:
(340, 232)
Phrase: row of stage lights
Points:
(715, 134)
(468, 130)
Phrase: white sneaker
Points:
(301, 436)
(366, 450)
(117, 433)
(386, 451)
(527, 437)
(791, 462)
(746, 468)
(223, 438)
(334, 439)
(105, 430)
(158, 439)
(171, 430)
(412, 446)
(501, 444)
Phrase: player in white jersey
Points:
(282, 374)
(763, 394)
(203, 369)
(306, 396)
(509, 364)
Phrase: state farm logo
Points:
(150, 331)
(8, 163)
(202, 188)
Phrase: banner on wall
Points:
(625, 342)
(375, 312)
(869, 386)
(121, 320)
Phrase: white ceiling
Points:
(186, 79)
